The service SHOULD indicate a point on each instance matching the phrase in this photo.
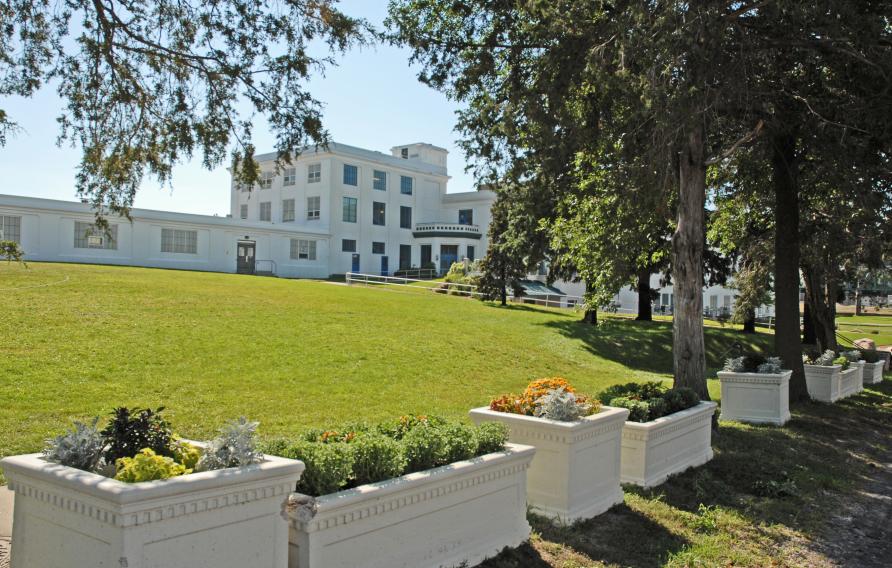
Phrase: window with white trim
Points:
(287, 210)
(377, 247)
(289, 176)
(314, 173)
(11, 228)
(88, 235)
(243, 211)
(348, 245)
(405, 217)
(266, 179)
(379, 180)
(181, 241)
(313, 207)
(378, 213)
(266, 211)
(302, 249)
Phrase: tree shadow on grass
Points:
(647, 345)
(621, 536)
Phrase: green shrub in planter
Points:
(648, 401)
(328, 466)
(461, 442)
(491, 437)
(148, 466)
(376, 457)
(638, 409)
(426, 447)
(870, 356)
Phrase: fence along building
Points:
(332, 210)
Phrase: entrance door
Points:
(355, 267)
(244, 262)
(383, 266)
(448, 255)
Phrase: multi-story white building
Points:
(332, 210)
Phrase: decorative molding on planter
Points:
(652, 451)
(850, 380)
(462, 512)
(873, 373)
(823, 382)
(757, 398)
(214, 518)
(576, 472)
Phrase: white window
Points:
(727, 301)
(714, 302)
(313, 207)
(290, 177)
(243, 211)
(266, 211)
(11, 228)
(287, 210)
(303, 249)
(314, 173)
(88, 235)
(266, 180)
(179, 241)
(379, 180)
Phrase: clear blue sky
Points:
(372, 100)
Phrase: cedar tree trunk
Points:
(688, 349)
(645, 313)
(785, 179)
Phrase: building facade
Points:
(332, 210)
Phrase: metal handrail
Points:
(272, 265)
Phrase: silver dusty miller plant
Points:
(825, 359)
(772, 366)
(558, 404)
(81, 447)
(853, 356)
(235, 446)
(735, 365)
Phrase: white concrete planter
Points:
(757, 398)
(460, 513)
(824, 382)
(69, 518)
(575, 474)
(652, 451)
(873, 373)
(850, 380)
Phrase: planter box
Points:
(460, 513)
(850, 380)
(652, 451)
(873, 373)
(69, 518)
(824, 382)
(575, 474)
(757, 398)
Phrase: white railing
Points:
(455, 289)
(449, 227)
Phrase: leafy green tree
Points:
(506, 260)
(148, 83)
(11, 251)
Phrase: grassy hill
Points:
(81, 339)
(77, 340)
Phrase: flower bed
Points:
(68, 516)
(418, 492)
(668, 431)
(575, 473)
(755, 390)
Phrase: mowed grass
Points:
(875, 327)
(80, 339)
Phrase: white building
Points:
(332, 210)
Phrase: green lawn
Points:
(877, 328)
(81, 339)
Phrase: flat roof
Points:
(363, 154)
